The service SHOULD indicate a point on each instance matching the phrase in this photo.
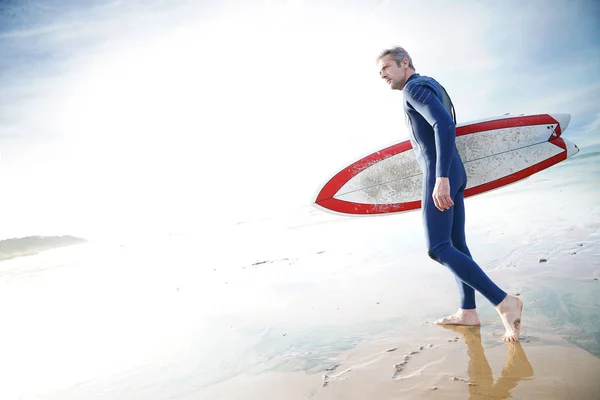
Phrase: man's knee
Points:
(436, 252)
(432, 255)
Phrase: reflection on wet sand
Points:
(481, 379)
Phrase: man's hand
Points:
(441, 194)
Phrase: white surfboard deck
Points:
(495, 151)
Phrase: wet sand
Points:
(319, 307)
(555, 274)
(441, 363)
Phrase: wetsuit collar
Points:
(413, 76)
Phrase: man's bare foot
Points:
(510, 310)
(462, 317)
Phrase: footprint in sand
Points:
(400, 366)
(338, 377)
(333, 367)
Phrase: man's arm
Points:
(425, 102)
(422, 98)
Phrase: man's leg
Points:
(457, 236)
(466, 314)
(438, 227)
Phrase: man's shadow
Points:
(516, 368)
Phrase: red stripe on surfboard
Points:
(542, 119)
(559, 142)
(347, 207)
(340, 179)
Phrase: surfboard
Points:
(495, 151)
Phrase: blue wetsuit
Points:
(428, 108)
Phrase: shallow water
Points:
(297, 295)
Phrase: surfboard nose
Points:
(572, 148)
(563, 120)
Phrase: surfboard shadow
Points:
(516, 368)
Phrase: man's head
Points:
(395, 67)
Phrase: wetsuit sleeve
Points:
(422, 98)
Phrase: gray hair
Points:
(398, 54)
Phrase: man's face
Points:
(394, 75)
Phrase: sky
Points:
(131, 117)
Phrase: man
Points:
(433, 133)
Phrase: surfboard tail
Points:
(572, 148)
(563, 121)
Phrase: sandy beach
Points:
(321, 307)
(452, 363)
